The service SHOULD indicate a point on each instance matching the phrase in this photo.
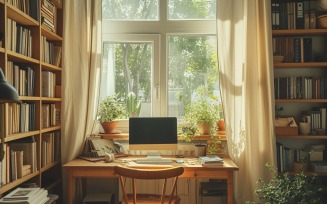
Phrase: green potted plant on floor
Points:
(290, 188)
(109, 110)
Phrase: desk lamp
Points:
(8, 94)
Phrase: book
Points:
(210, 159)
(101, 146)
(28, 146)
(307, 49)
(299, 15)
(26, 196)
(19, 163)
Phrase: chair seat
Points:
(152, 199)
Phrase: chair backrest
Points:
(148, 174)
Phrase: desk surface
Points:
(101, 169)
(76, 163)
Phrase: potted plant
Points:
(133, 105)
(109, 110)
(286, 188)
(202, 113)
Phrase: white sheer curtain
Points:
(246, 73)
(81, 64)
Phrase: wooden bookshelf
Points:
(49, 175)
(301, 62)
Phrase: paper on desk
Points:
(134, 164)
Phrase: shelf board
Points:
(21, 135)
(51, 99)
(2, 1)
(301, 101)
(323, 137)
(299, 32)
(300, 65)
(17, 182)
(125, 136)
(2, 49)
(29, 98)
(20, 17)
(49, 67)
(49, 129)
(16, 57)
(50, 35)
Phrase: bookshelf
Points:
(302, 65)
(32, 44)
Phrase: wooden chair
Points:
(149, 174)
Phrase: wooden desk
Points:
(87, 169)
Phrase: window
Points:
(162, 51)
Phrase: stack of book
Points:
(211, 161)
(48, 11)
(26, 195)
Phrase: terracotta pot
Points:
(109, 127)
(221, 125)
(204, 128)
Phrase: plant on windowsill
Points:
(287, 189)
(109, 110)
(133, 105)
(201, 118)
(202, 113)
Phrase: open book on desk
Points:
(135, 165)
(211, 161)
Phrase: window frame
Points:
(163, 28)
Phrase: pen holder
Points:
(200, 150)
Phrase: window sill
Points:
(124, 136)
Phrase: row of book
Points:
(289, 15)
(48, 15)
(317, 118)
(300, 87)
(294, 49)
(20, 159)
(48, 84)
(21, 117)
(19, 38)
(50, 115)
(22, 77)
(50, 151)
(51, 53)
(287, 156)
(30, 7)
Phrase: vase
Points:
(200, 150)
(204, 128)
(221, 125)
(110, 127)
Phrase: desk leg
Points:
(230, 187)
(70, 186)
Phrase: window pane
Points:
(130, 10)
(191, 9)
(127, 68)
(192, 63)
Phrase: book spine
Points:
(299, 15)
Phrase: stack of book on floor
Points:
(26, 196)
(211, 161)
